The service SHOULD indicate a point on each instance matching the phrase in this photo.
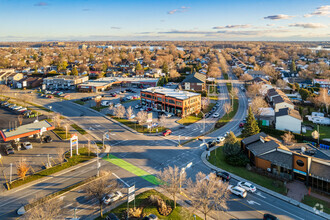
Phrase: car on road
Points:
(247, 186)
(114, 95)
(27, 145)
(223, 175)
(216, 115)
(113, 197)
(239, 191)
(226, 134)
(268, 216)
(211, 143)
(241, 125)
(105, 103)
(137, 106)
(220, 139)
(149, 109)
(117, 105)
(167, 132)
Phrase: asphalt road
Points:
(151, 154)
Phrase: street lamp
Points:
(105, 135)
(183, 170)
(204, 122)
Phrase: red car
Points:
(149, 109)
(241, 125)
(167, 132)
(114, 95)
(50, 96)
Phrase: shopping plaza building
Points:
(180, 103)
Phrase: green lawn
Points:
(190, 119)
(217, 158)
(312, 201)
(76, 159)
(79, 102)
(61, 132)
(225, 76)
(324, 130)
(142, 199)
(138, 127)
(79, 129)
(227, 117)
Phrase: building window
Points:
(143, 95)
(149, 96)
(166, 100)
(179, 103)
(171, 101)
(159, 99)
(300, 163)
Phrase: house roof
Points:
(260, 147)
(256, 72)
(278, 158)
(261, 80)
(195, 78)
(288, 111)
(300, 80)
(253, 138)
(280, 99)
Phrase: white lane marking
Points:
(252, 202)
(67, 205)
(121, 179)
(259, 194)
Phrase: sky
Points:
(66, 20)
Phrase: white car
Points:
(247, 186)
(117, 105)
(129, 97)
(226, 134)
(137, 106)
(27, 145)
(239, 191)
(220, 139)
(113, 197)
(105, 103)
(216, 115)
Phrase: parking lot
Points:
(36, 158)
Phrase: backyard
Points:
(324, 130)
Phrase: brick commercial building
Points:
(180, 103)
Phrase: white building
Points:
(287, 119)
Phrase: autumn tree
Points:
(254, 90)
(22, 168)
(208, 193)
(246, 77)
(238, 71)
(171, 180)
(205, 102)
(324, 98)
(227, 107)
(138, 66)
(174, 74)
(74, 71)
(257, 104)
(288, 138)
(101, 187)
(281, 84)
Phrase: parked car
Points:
(268, 216)
(239, 191)
(220, 139)
(149, 109)
(48, 139)
(113, 197)
(216, 115)
(241, 125)
(105, 103)
(9, 149)
(27, 145)
(223, 175)
(137, 106)
(167, 132)
(117, 105)
(114, 95)
(247, 186)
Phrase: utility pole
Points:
(11, 172)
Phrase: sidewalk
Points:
(275, 194)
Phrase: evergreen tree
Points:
(293, 67)
(165, 68)
(138, 66)
(251, 126)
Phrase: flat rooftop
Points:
(175, 93)
(25, 130)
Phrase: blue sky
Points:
(25, 20)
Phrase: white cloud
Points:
(308, 25)
(320, 11)
(278, 17)
(233, 26)
(178, 10)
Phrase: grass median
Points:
(317, 203)
(228, 116)
(217, 158)
(137, 127)
(83, 156)
(61, 132)
(190, 119)
(142, 200)
(79, 129)
(79, 102)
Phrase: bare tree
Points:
(119, 111)
(60, 154)
(129, 112)
(227, 107)
(254, 90)
(174, 74)
(324, 98)
(246, 77)
(162, 121)
(57, 120)
(288, 138)
(101, 187)
(20, 119)
(233, 93)
(142, 117)
(172, 178)
(48, 210)
(257, 104)
(208, 193)
(281, 84)
(205, 102)
(22, 168)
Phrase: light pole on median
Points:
(204, 122)
(183, 170)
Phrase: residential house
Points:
(12, 78)
(324, 83)
(195, 81)
(4, 73)
(303, 83)
(287, 119)
(29, 82)
(281, 102)
(257, 73)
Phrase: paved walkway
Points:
(296, 190)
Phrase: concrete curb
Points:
(275, 194)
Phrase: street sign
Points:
(131, 194)
(131, 197)
(131, 189)
(74, 143)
